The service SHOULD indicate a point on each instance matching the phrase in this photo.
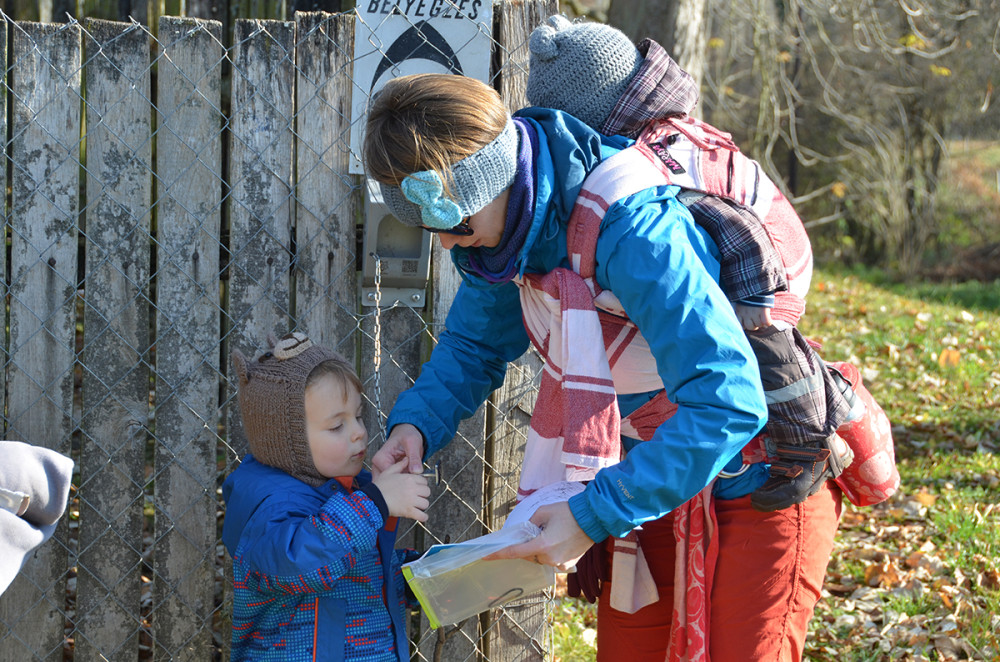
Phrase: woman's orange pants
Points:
(767, 581)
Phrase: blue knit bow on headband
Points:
(426, 190)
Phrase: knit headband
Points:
(475, 181)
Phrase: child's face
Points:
(488, 225)
(337, 436)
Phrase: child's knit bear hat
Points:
(271, 390)
(582, 68)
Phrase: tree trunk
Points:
(680, 26)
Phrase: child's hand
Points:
(405, 494)
(752, 318)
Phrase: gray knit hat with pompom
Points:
(581, 68)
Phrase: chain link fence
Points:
(171, 197)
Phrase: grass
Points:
(929, 353)
(970, 196)
(574, 629)
(917, 577)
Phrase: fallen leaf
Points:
(949, 358)
(882, 574)
(989, 579)
(843, 588)
(950, 648)
(913, 560)
(852, 518)
(949, 624)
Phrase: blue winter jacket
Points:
(315, 573)
(663, 269)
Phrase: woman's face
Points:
(488, 224)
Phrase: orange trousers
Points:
(768, 580)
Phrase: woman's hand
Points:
(405, 441)
(561, 543)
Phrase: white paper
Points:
(553, 493)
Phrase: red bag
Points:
(872, 477)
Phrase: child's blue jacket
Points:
(315, 573)
(664, 271)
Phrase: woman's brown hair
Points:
(429, 122)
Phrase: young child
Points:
(311, 534)
(766, 259)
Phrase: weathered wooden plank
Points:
(6, 219)
(519, 631)
(327, 197)
(391, 352)
(513, 23)
(329, 205)
(457, 508)
(189, 187)
(116, 338)
(259, 202)
(44, 205)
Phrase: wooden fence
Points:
(171, 199)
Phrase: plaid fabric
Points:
(804, 405)
(659, 89)
(749, 266)
(575, 429)
(662, 90)
(575, 426)
(698, 157)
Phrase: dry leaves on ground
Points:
(892, 593)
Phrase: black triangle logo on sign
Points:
(421, 41)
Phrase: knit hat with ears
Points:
(581, 68)
(271, 393)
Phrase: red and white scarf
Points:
(575, 430)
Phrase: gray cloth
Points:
(581, 68)
(35, 482)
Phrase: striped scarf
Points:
(576, 426)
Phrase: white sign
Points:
(399, 37)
